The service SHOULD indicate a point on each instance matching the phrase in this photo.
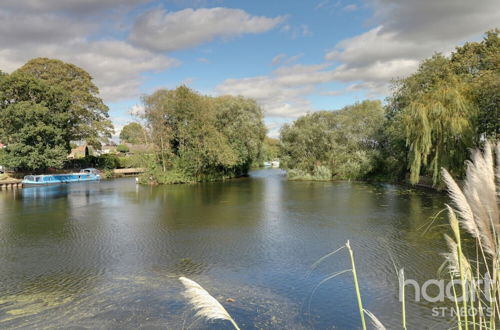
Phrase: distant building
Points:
(80, 152)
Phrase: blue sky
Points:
(293, 57)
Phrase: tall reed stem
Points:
(356, 286)
(401, 278)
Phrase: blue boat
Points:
(85, 175)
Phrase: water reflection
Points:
(109, 253)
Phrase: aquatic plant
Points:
(206, 306)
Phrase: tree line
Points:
(431, 120)
(47, 105)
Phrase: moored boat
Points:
(85, 175)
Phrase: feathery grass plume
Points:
(477, 205)
(206, 306)
(458, 264)
(375, 321)
(478, 208)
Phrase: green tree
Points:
(203, 138)
(133, 133)
(183, 126)
(36, 122)
(240, 120)
(478, 64)
(92, 115)
(448, 106)
(345, 141)
(270, 149)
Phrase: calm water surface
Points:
(108, 255)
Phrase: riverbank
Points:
(324, 174)
(14, 179)
(10, 183)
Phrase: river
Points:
(109, 254)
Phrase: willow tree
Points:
(439, 127)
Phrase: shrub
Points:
(136, 160)
(157, 176)
(123, 148)
(320, 173)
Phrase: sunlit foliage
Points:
(342, 143)
(448, 106)
(202, 138)
(35, 123)
(93, 124)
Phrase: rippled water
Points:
(108, 255)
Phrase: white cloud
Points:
(375, 72)
(448, 21)
(328, 5)
(74, 7)
(273, 129)
(285, 60)
(305, 30)
(136, 110)
(294, 58)
(278, 59)
(283, 93)
(295, 32)
(369, 61)
(20, 29)
(116, 66)
(160, 30)
(203, 60)
(276, 99)
(351, 7)
(407, 32)
(377, 45)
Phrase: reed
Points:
(401, 279)
(206, 306)
(356, 287)
(475, 210)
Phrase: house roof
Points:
(79, 148)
